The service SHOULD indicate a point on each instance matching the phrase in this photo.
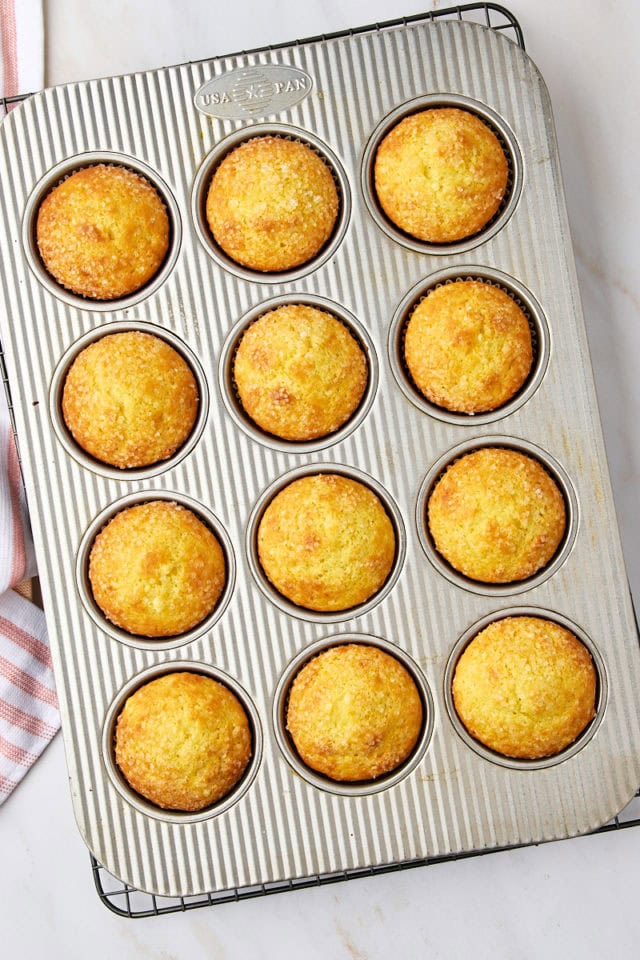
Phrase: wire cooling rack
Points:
(127, 901)
(490, 14)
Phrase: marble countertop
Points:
(565, 899)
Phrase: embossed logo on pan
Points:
(253, 91)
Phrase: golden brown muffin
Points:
(354, 713)
(130, 399)
(299, 372)
(272, 204)
(525, 687)
(103, 232)
(156, 570)
(326, 542)
(468, 346)
(183, 741)
(440, 175)
(496, 515)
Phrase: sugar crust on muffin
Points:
(156, 570)
(440, 174)
(468, 346)
(525, 687)
(272, 204)
(496, 515)
(103, 232)
(183, 741)
(299, 372)
(354, 713)
(326, 542)
(130, 399)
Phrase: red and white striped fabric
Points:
(21, 47)
(28, 704)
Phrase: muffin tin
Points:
(281, 823)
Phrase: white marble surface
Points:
(561, 900)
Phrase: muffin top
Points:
(156, 570)
(182, 741)
(525, 687)
(299, 372)
(468, 346)
(130, 399)
(326, 542)
(272, 204)
(103, 232)
(496, 515)
(354, 713)
(441, 174)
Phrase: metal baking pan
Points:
(339, 94)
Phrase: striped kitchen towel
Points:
(21, 47)
(28, 705)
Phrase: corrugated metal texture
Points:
(454, 800)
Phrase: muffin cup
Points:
(57, 387)
(602, 690)
(522, 297)
(263, 582)
(54, 177)
(118, 780)
(203, 180)
(511, 151)
(553, 468)
(285, 742)
(84, 584)
(230, 394)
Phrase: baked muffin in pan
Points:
(326, 542)
(525, 687)
(496, 515)
(354, 713)
(156, 570)
(272, 204)
(183, 741)
(467, 346)
(130, 399)
(103, 232)
(441, 174)
(299, 373)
